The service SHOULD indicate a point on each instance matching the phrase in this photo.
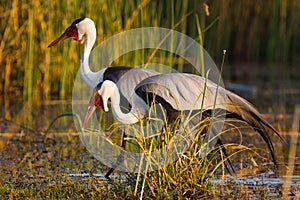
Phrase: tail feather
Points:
(243, 110)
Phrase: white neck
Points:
(87, 28)
(137, 112)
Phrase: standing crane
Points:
(83, 30)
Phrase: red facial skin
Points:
(71, 31)
(98, 101)
(95, 101)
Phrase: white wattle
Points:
(88, 28)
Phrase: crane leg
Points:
(119, 159)
(228, 167)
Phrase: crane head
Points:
(95, 101)
(73, 31)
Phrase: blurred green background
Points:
(261, 39)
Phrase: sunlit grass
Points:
(28, 27)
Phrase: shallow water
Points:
(261, 185)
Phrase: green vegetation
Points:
(256, 31)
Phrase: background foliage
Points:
(251, 31)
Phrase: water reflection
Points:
(30, 117)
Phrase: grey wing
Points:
(129, 81)
(183, 91)
(186, 92)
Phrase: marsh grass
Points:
(189, 175)
(29, 26)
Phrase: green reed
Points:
(250, 30)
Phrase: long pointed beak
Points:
(58, 40)
(88, 115)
